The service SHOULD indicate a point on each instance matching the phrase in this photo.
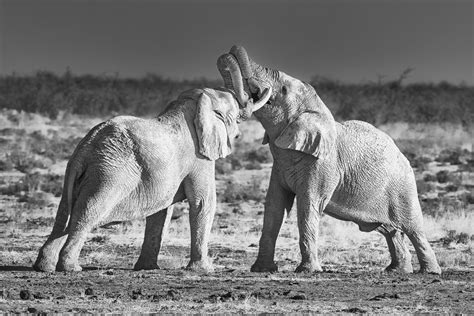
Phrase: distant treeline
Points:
(375, 102)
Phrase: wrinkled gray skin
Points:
(351, 171)
(131, 167)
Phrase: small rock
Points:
(25, 294)
(174, 294)
(300, 296)
(253, 245)
(109, 272)
(136, 294)
(89, 291)
(354, 310)
(384, 296)
(32, 310)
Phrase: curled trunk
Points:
(229, 66)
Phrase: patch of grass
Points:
(25, 161)
(35, 182)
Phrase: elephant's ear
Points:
(311, 132)
(211, 130)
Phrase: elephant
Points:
(351, 171)
(130, 167)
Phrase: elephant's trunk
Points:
(250, 68)
(243, 59)
(229, 68)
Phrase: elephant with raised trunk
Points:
(130, 167)
(351, 171)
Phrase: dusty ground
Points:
(353, 280)
(31, 171)
(235, 290)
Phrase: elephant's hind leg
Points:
(49, 252)
(424, 252)
(399, 252)
(155, 230)
(412, 225)
(87, 213)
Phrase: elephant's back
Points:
(128, 140)
(370, 159)
(364, 141)
(156, 143)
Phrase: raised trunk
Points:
(230, 68)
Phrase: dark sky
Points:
(350, 40)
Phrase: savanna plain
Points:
(44, 116)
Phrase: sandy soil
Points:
(234, 290)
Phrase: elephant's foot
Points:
(405, 267)
(399, 269)
(43, 264)
(204, 265)
(260, 267)
(309, 267)
(143, 264)
(431, 269)
(68, 266)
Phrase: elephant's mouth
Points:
(237, 74)
(258, 91)
(257, 94)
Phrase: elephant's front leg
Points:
(201, 194)
(309, 213)
(155, 230)
(277, 200)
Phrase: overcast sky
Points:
(349, 40)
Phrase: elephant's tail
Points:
(71, 179)
(72, 174)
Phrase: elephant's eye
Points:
(284, 90)
(219, 115)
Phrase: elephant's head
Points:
(294, 116)
(216, 119)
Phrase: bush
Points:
(391, 101)
(35, 182)
(453, 237)
(449, 156)
(374, 102)
(253, 165)
(239, 192)
(261, 155)
(49, 94)
(24, 161)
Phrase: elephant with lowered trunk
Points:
(351, 171)
(130, 167)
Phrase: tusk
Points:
(264, 99)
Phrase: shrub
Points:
(261, 154)
(453, 237)
(243, 192)
(375, 102)
(253, 165)
(449, 156)
(24, 161)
